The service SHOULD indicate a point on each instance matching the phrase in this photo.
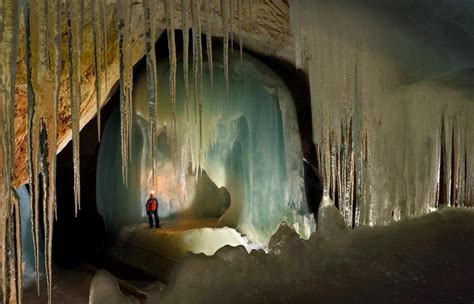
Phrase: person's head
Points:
(152, 194)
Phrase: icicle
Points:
(197, 66)
(185, 26)
(241, 45)
(50, 211)
(57, 68)
(126, 81)
(11, 234)
(231, 20)
(103, 31)
(32, 147)
(169, 9)
(250, 15)
(151, 82)
(95, 32)
(74, 21)
(207, 13)
(225, 27)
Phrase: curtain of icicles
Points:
(44, 22)
(394, 140)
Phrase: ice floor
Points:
(157, 250)
(424, 260)
(176, 237)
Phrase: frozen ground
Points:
(176, 237)
(425, 260)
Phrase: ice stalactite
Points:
(56, 41)
(74, 22)
(32, 146)
(207, 13)
(250, 15)
(197, 69)
(126, 80)
(392, 138)
(50, 142)
(225, 28)
(185, 28)
(11, 223)
(103, 32)
(169, 11)
(96, 24)
(42, 83)
(231, 20)
(241, 43)
(148, 10)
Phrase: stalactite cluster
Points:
(43, 26)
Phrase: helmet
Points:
(152, 193)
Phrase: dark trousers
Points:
(150, 218)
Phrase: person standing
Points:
(152, 210)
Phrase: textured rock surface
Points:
(269, 34)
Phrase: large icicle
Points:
(169, 10)
(151, 73)
(241, 44)
(32, 143)
(197, 68)
(11, 234)
(103, 31)
(74, 21)
(250, 15)
(185, 27)
(126, 80)
(96, 25)
(207, 13)
(231, 20)
(225, 27)
(45, 139)
(55, 40)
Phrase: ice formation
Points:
(105, 289)
(393, 126)
(124, 11)
(399, 260)
(148, 10)
(43, 24)
(249, 145)
(27, 237)
(11, 229)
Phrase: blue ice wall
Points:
(26, 236)
(250, 145)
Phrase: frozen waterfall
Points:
(250, 145)
(392, 108)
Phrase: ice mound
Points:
(393, 262)
(105, 289)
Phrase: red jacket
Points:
(152, 205)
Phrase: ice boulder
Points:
(105, 289)
(332, 228)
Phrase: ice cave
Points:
(237, 151)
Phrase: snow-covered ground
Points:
(429, 259)
(424, 260)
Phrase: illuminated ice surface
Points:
(26, 236)
(249, 145)
(393, 125)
